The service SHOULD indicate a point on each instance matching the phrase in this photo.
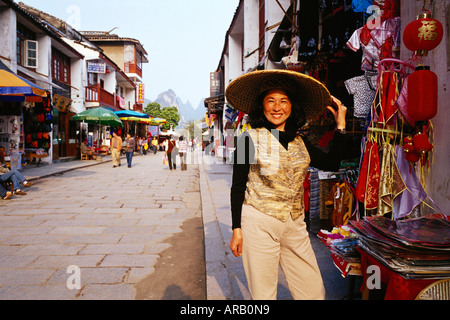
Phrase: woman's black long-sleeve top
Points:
(329, 161)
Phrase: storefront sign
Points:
(63, 104)
(96, 67)
(214, 84)
(141, 95)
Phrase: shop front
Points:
(25, 119)
(65, 138)
(377, 214)
(383, 214)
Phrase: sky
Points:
(184, 39)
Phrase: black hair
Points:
(181, 138)
(257, 118)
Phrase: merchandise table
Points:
(397, 287)
(32, 155)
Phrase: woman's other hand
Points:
(236, 242)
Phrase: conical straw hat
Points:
(313, 96)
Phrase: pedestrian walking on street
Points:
(171, 153)
(271, 163)
(182, 151)
(116, 148)
(131, 145)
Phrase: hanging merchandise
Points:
(387, 38)
(423, 34)
(389, 93)
(391, 182)
(402, 103)
(367, 187)
(392, 95)
(420, 36)
(341, 200)
(422, 145)
(423, 94)
(361, 5)
(37, 125)
(361, 39)
(363, 90)
(414, 194)
(411, 154)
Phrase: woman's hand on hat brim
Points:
(339, 111)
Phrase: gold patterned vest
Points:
(275, 182)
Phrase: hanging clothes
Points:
(341, 202)
(389, 94)
(402, 102)
(367, 187)
(363, 90)
(391, 182)
(414, 193)
(361, 5)
(361, 39)
(387, 38)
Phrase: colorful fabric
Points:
(371, 52)
(363, 90)
(367, 187)
(391, 182)
(414, 194)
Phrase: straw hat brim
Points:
(313, 96)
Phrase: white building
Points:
(76, 72)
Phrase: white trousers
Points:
(115, 156)
(268, 243)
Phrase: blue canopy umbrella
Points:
(130, 113)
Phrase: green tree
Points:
(169, 113)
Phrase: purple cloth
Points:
(405, 202)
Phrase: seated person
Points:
(16, 178)
(6, 195)
(87, 151)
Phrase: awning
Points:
(215, 104)
(16, 88)
(149, 121)
(100, 116)
(131, 113)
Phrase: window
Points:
(92, 79)
(27, 47)
(60, 67)
(31, 54)
(139, 60)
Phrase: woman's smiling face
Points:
(277, 108)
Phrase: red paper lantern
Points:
(422, 144)
(412, 157)
(423, 34)
(422, 94)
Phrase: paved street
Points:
(113, 224)
(134, 233)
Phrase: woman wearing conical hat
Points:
(271, 163)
